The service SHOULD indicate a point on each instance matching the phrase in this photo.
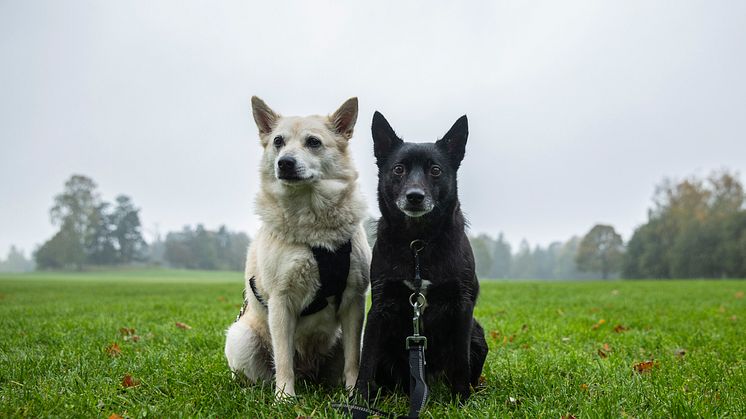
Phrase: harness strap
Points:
(334, 267)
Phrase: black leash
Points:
(416, 345)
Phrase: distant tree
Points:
(501, 258)
(523, 265)
(600, 250)
(64, 250)
(72, 211)
(693, 230)
(100, 247)
(481, 246)
(200, 248)
(16, 262)
(127, 231)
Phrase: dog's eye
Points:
(435, 171)
(399, 170)
(279, 141)
(313, 142)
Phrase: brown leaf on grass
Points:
(126, 331)
(584, 387)
(512, 337)
(494, 334)
(620, 328)
(602, 353)
(482, 380)
(133, 338)
(184, 326)
(569, 416)
(115, 416)
(680, 352)
(128, 381)
(644, 366)
(598, 324)
(113, 350)
(607, 348)
(739, 294)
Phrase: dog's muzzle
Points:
(287, 169)
(415, 202)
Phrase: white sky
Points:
(576, 109)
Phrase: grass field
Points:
(556, 349)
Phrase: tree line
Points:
(93, 232)
(696, 228)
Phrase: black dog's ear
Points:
(343, 119)
(385, 139)
(454, 142)
(264, 116)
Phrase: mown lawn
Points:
(554, 350)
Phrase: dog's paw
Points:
(282, 395)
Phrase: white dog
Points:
(307, 270)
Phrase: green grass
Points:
(55, 328)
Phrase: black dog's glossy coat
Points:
(456, 344)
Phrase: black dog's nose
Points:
(415, 196)
(286, 163)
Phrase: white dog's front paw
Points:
(284, 393)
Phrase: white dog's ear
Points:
(343, 119)
(264, 116)
(454, 142)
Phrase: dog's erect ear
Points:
(343, 119)
(385, 139)
(454, 142)
(264, 117)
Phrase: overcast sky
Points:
(576, 109)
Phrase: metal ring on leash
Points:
(419, 302)
(417, 245)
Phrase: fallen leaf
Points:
(494, 334)
(524, 327)
(569, 416)
(733, 318)
(135, 338)
(584, 387)
(602, 354)
(644, 366)
(722, 309)
(739, 294)
(512, 337)
(126, 331)
(680, 352)
(607, 348)
(482, 380)
(128, 381)
(184, 326)
(525, 346)
(597, 325)
(113, 350)
(115, 416)
(620, 328)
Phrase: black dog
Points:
(417, 196)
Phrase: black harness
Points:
(334, 268)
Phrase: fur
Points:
(316, 204)
(418, 199)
